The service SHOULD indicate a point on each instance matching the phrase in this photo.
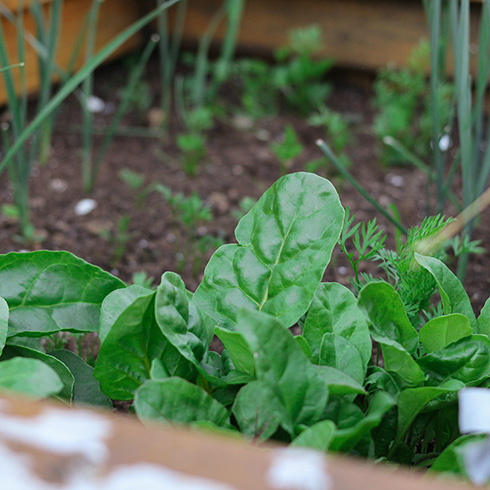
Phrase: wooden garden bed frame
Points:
(114, 16)
(28, 434)
(359, 34)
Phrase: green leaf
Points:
(339, 353)
(281, 363)
(397, 360)
(4, 322)
(443, 330)
(64, 374)
(131, 344)
(258, 410)
(284, 245)
(158, 370)
(334, 310)
(484, 319)
(182, 324)
(467, 360)
(384, 308)
(51, 291)
(180, 320)
(301, 341)
(453, 295)
(178, 401)
(339, 383)
(238, 349)
(451, 460)
(116, 302)
(86, 389)
(30, 377)
(346, 439)
(412, 401)
(318, 436)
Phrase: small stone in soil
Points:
(58, 185)
(85, 206)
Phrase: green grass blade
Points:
(76, 79)
(202, 62)
(87, 90)
(134, 78)
(347, 175)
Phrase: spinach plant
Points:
(317, 385)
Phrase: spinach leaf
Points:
(238, 349)
(129, 347)
(339, 353)
(451, 460)
(466, 360)
(484, 319)
(281, 363)
(86, 389)
(176, 400)
(400, 363)
(180, 320)
(388, 320)
(4, 322)
(338, 382)
(443, 330)
(453, 295)
(116, 302)
(412, 401)
(318, 436)
(51, 291)
(284, 245)
(64, 374)
(29, 377)
(334, 310)
(259, 411)
(346, 439)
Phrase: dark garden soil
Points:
(239, 163)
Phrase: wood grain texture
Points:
(361, 34)
(225, 460)
(114, 16)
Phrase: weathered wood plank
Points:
(361, 34)
(113, 18)
(97, 447)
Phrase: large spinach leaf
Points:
(51, 291)
(284, 245)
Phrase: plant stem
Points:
(347, 175)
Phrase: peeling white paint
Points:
(16, 473)
(476, 458)
(474, 410)
(299, 469)
(152, 477)
(60, 431)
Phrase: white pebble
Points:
(85, 206)
(396, 180)
(444, 142)
(95, 104)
